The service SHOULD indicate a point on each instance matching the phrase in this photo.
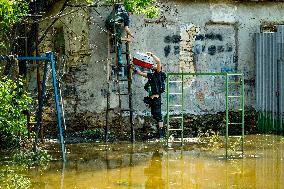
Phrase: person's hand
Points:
(149, 53)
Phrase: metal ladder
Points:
(179, 104)
(237, 82)
(119, 80)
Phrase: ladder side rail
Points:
(168, 110)
(243, 113)
(182, 108)
(129, 75)
(227, 115)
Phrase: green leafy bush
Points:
(146, 7)
(11, 11)
(210, 140)
(14, 102)
(30, 158)
(9, 179)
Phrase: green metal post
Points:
(168, 111)
(227, 114)
(182, 110)
(243, 114)
(227, 102)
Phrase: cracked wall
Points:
(194, 37)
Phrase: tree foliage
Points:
(11, 12)
(146, 7)
(14, 101)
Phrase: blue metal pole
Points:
(33, 58)
(57, 106)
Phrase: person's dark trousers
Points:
(119, 54)
(156, 112)
(119, 46)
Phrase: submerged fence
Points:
(269, 55)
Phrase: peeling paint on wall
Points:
(187, 38)
(223, 13)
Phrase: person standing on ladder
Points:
(155, 87)
(118, 17)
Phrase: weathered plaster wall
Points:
(193, 37)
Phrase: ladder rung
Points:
(234, 74)
(234, 96)
(176, 117)
(126, 39)
(236, 136)
(233, 82)
(123, 93)
(123, 80)
(175, 93)
(175, 129)
(235, 123)
(125, 110)
(175, 81)
(177, 105)
(177, 141)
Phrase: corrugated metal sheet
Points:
(269, 80)
(280, 39)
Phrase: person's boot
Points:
(161, 133)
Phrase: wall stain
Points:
(176, 50)
(176, 38)
(211, 36)
(167, 50)
(172, 39)
(167, 39)
(212, 50)
(220, 48)
(229, 47)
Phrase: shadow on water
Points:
(151, 165)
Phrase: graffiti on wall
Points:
(172, 42)
(212, 49)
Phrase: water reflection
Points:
(62, 175)
(153, 166)
(154, 172)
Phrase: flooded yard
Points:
(153, 165)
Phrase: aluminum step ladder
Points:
(235, 80)
(173, 106)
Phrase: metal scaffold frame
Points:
(48, 58)
(228, 96)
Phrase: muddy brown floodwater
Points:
(152, 165)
